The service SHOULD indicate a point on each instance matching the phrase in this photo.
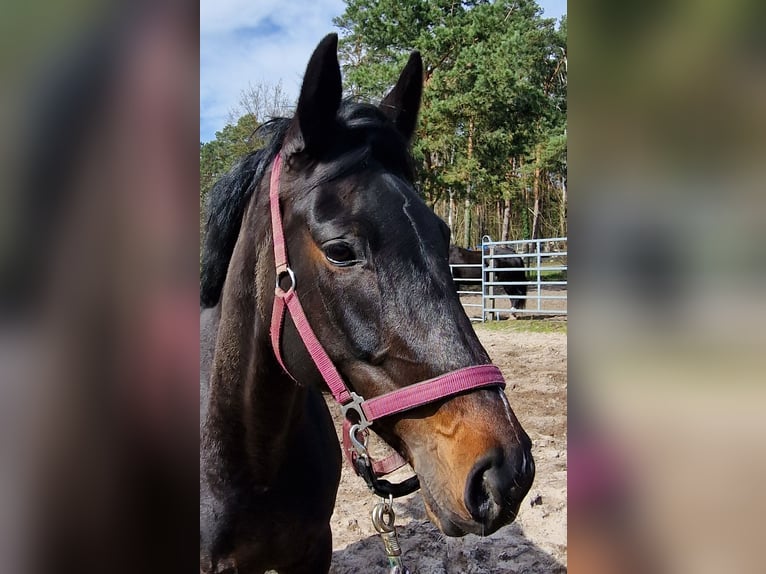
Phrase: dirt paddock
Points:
(472, 303)
(534, 365)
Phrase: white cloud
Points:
(246, 41)
(251, 41)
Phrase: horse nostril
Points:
(495, 486)
(483, 489)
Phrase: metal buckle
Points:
(356, 406)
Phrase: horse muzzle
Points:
(492, 493)
(496, 486)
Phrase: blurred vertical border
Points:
(667, 330)
(98, 286)
(99, 274)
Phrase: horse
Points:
(370, 264)
(512, 270)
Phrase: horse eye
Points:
(340, 254)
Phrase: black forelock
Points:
(368, 130)
(364, 135)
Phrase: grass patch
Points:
(548, 275)
(523, 326)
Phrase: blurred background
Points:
(668, 132)
(99, 167)
(98, 286)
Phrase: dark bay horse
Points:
(510, 269)
(371, 262)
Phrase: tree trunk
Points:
(450, 211)
(563, 209)
(524, 209)
(506, 220)
(467, 220)
(498, 221)
(505, 231)
(467, 224)
(536, 193)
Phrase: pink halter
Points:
(365, 410)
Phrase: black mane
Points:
(363, 134)
(226, 205)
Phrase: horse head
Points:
(371, 266)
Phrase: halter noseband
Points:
(364, 410)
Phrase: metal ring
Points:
(383, 517)
(280, 276)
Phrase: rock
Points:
(353, 526)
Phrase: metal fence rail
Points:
(545, 268)
(477, 281)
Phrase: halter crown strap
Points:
(280, 250)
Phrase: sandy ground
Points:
(534, 364)
(472, 303)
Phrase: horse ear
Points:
(320, 94)
(403, 102)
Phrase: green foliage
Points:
(492, 126)
(257, 104)
(494, 103)
(217, 157)
(230, 144)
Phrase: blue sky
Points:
(245, 42)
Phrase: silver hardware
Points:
(360, 446)
(383, 518)
(291, 275)
(356, 406)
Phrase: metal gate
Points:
(545, 278)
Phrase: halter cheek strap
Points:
(364, 411)
(288, 298)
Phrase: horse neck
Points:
(253, 404)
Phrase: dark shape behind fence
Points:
(510, 268)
